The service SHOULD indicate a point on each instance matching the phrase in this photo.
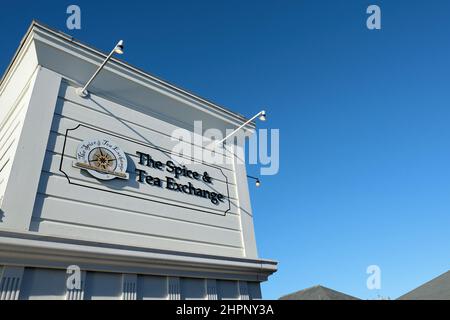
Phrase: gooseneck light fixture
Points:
(82, 92)
(257, 181)
(261, 115)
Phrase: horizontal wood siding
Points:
(129, 212)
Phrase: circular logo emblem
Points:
(102, 158)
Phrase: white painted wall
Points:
(126, 211)
(131, 241)
(15, 94)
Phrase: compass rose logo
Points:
(102, 158)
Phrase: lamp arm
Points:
(239, 128)
(98, 70)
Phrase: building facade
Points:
(96, 201)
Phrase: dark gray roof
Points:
(318, 293)
(436, 289)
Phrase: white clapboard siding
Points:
(10, 129)
(10, 126)
(132, 132)
(220, 176)
(81, 213)
(68, 230)
(133, 188)
(52, 185)
(128, 115)
(126, 211)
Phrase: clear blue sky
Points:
(364, 118)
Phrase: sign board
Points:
(107, 162)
